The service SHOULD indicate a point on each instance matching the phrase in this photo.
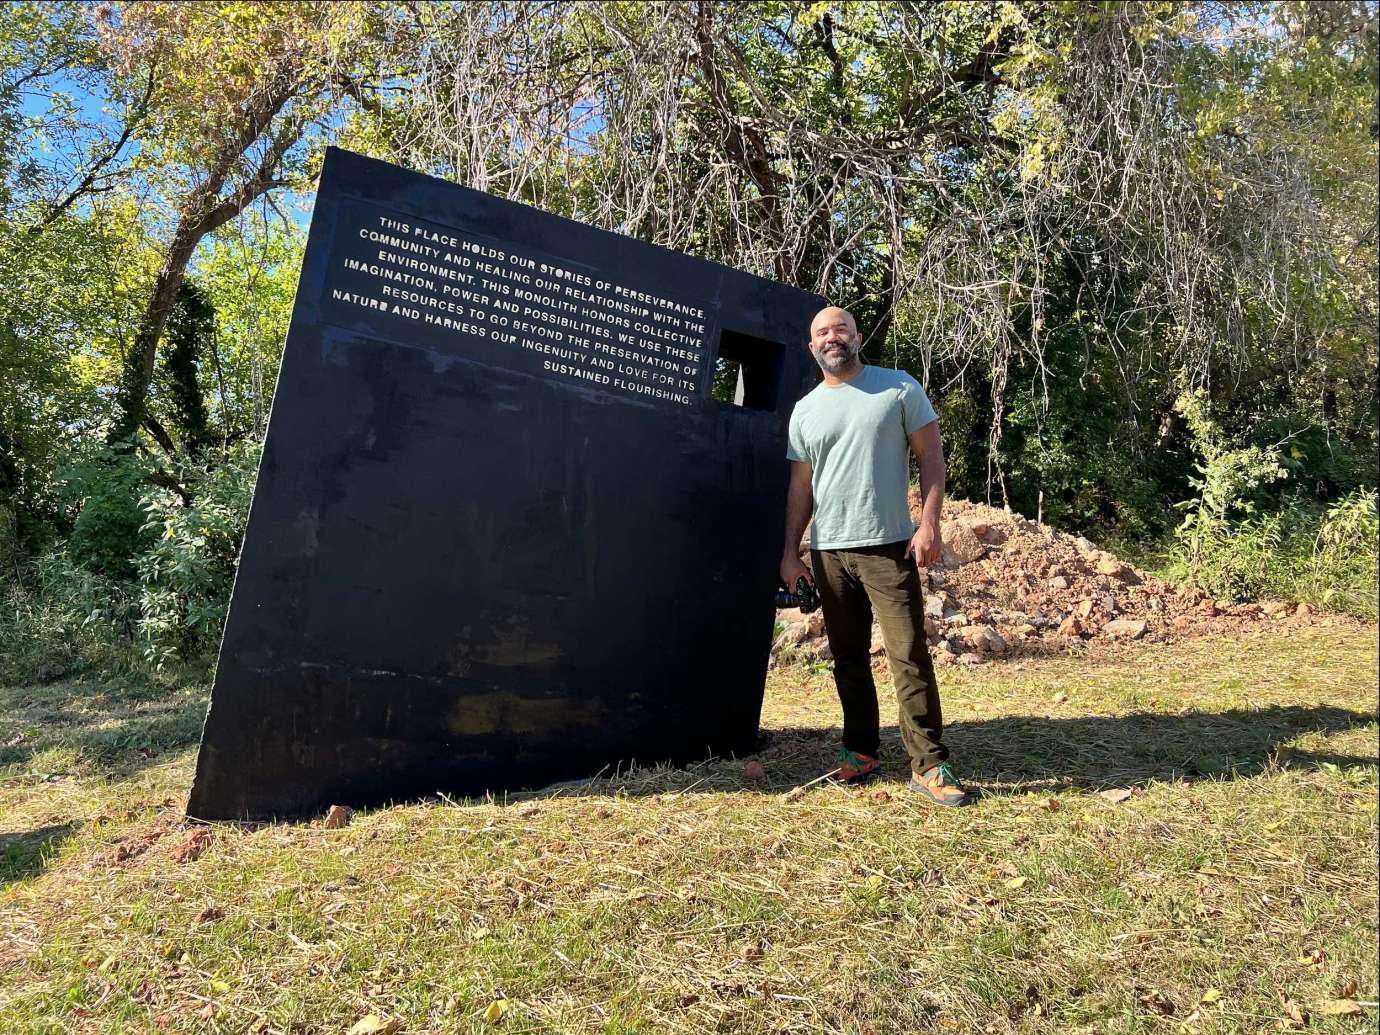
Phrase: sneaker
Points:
(940, 785)
(855, 767)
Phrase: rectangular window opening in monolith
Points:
(750, 369)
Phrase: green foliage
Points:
(1228, 487)
(59, 618)
(188, 570)
(63, 612)
(965, 444)
(189, 332)
(1239, 544)
(1070, 450)
(249, 271)
(1304, 553)
(109, 531)
(1060, 215)
(1341, 570)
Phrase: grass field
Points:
(1227, 881)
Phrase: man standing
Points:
(849, 442)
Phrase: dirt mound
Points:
(1008, 586)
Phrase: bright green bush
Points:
(1234, 548)
(108, 534)
(59, 617)
(187, 573)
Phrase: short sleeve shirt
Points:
(855, 437)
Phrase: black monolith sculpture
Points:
(502, 533)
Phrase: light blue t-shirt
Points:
(855, 437)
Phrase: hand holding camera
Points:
(803, 597)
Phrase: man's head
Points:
(834, 340)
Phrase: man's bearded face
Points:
(834, 341)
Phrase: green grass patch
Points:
(1237, 878)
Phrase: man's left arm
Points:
(927, 543)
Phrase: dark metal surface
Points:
(467, 572)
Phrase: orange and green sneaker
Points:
(855, 767)
(940, 784)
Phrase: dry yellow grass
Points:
(1234, 890)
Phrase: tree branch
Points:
(87, 182)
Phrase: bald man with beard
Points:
(849, 445)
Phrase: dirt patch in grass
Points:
(1009, 587)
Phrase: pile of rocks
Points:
(1008, 586)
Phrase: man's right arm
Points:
(800, 504)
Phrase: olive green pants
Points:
(852, 585)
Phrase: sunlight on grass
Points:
(1241, 869)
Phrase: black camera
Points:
(804, 597)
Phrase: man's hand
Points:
(792, 567)
(926, 544)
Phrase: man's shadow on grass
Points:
(1032, 754)
(1029, 753)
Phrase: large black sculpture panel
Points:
(502, 533)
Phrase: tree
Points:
(235, 88)
(958, 173)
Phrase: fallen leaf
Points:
(1060, 697)
(496, 1010)
(1116, 795)
(880, 796)
(1340, 1008)
(793, 795)
(220, 987)
(209, 914)
(1210, 996)
(1348, 990)
(1050, 805)
(338, 816)
(1295, 1016)
(373, 1024)
(1016, 883)
(1313, 958)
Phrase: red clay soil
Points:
(1008, 586)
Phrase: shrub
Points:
(59, 618)
(1300, 551)
(1342, 566)
(187, 572)
(108, 534)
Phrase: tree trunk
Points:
(132, 400)
(203, 212)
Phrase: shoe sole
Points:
(924, 792)
(866, 777)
